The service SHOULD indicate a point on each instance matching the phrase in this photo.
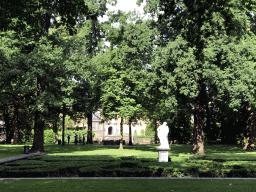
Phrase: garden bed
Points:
(133, 162)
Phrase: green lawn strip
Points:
(6, 152)
(9, 150)
(123, 185)
(25, 144)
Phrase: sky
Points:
(125, 5)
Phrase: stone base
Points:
(163, 154)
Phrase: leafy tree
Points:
(16, 88)
(34, 21)
(200, 19)
(122, 67)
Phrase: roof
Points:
(96, 116)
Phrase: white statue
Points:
(163, 131)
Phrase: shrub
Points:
(48, 136)
(150, 132)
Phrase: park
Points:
(100, 99)
(97, 160)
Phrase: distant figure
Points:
(163, 131)
(68, 139)
(76, 139)
(83, 140)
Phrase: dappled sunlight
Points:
(80, 161)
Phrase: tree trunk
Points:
(38, 134)
(249, 144)
(15, 135)
(208, 125)
(28, 131)
(121, 134)
(55, 130)
(130, 132)
(38, 143)
(198, 134)
(16, 123)
(63, 125)
(8, 125)
(39, 123)
(155, 123)
(89, 132)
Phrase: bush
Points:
(48, 136)
(150, 132)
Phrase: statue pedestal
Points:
(163, 154)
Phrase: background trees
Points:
(195, 58)
(121, 73)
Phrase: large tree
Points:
(198, 21)
(32, 19)
(123, 83)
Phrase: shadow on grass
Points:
(64, 161)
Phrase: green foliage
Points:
(22, 137)
(72, 135)
(150, 70)
(122, 66)
(215, 47)
(48, 136)
(142, 132)
(30, 54)
(150, 130)
(36, 15)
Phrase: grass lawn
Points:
(95, 161)
(123, 185)
(15, 150)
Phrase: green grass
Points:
(123, 185)
(6, 152)
(15, 150)
(220, 161)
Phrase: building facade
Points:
(111, 130)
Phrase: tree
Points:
(199, 21)
(122, 67)
(34, 21)
(16, 89)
